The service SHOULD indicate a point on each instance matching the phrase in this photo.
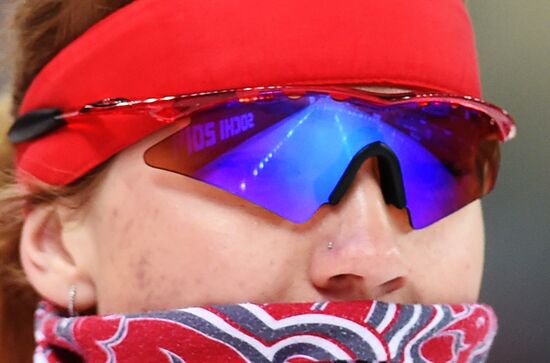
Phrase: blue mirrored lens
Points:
(288, 155)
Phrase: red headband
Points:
(154, 48)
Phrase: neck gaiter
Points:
(359, 331)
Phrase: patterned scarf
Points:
(368, 331)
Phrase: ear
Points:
(53, 260)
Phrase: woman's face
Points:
(156, 240)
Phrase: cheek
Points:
(447, 258)
(170, 249)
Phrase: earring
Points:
(72, 298)
(330, 245)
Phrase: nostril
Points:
(392, 285)
(337, 278)
(343, 282)
(352, 287)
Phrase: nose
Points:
(358, 255)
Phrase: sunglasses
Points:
(291, 149)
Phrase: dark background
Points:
(513, 39)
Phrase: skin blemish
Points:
(142, 269)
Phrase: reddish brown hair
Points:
(39, 29)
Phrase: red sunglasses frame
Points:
(43, 121)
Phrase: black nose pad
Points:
(391, 179)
